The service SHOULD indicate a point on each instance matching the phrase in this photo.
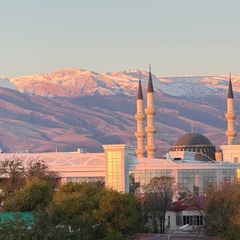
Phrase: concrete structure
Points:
(140, 117)
(230, 115)
(150, 112)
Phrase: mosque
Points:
(193, 160)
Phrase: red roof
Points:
(188, 204)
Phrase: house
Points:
(187, 212)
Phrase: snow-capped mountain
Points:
(76, 82)
(74, 108)
(5, 83)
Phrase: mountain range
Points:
(74, 108)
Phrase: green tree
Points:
(120, 213)
(158, 195)
(78, 201)
(98, 212)
(35, 193)
(77, 198)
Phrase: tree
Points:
(35, 193)
(77, 198)
(12, 175)
(39, 169)
(78, 201)
(120, 213)
(98, 212)
(222, 211)
(158, 195)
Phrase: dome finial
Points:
(149, 67)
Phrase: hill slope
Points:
(73, 108)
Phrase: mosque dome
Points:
(192, 139)
(195, 142)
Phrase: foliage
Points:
(12, 175)
(41, 228)
(100, 213)
(120, 213)
(158, 194)
(222, 211)
(14, 229)
(19, 180)
(35, 193)
(77, 198)
(78, 201)
(74, 211)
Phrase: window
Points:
(236, 160)
(179, 220)
(193, 220)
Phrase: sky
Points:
(177, 37)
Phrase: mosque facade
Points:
(193, 160)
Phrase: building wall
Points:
(118, 163)
(230, 153)
(70, 165)
(191, 177)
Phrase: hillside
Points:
(74, 108)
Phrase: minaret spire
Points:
(230, 114)
(150, 112)
(150, 84)
(140, 117)
(230, 90)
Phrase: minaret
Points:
(230, 115)
(150, 112)
(140, 117)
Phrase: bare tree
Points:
(12, 175)
(16, 170)
(158, 195)
(39, 169)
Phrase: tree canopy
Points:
(85, 211)
(34, 193)
(222, 211)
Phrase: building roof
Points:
(192, 139)
(190, 204)
(10, 216)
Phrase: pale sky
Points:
(177, 37)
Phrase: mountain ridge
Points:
(73, 108)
